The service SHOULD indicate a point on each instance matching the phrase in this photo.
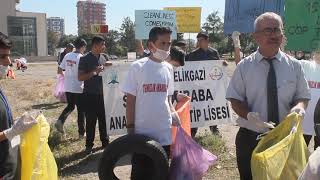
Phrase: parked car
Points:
(113, 57)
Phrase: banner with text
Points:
(240, 15)
(188, 19)
(204, 81)
(302, 27)
(145, 20)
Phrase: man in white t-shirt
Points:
(73, 87)
(312, 73)
(149, 87)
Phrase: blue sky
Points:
(116, 9)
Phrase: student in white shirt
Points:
(312, 73)
(149, 87)
(73, 87)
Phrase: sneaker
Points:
(59, 126)
(88, 150)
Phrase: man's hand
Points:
(175, 119)
(236, 39)
(182, 97)
(255, 119)
(298, 110)
(98, 70)
(22, 124)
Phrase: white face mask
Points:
(161, 54)
(3, 71)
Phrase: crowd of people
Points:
(266, 86)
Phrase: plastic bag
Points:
(282, 153)
(183, 110)
(190, 161)
(59, 91)
(37, 161)
(11, 74)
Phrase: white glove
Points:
(22, 124)
(236, 40)
(175, 119)
(299, 111)
(255, 119)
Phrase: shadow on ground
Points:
(47, 106)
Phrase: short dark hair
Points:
(5, 42)
(70, 46)
(203, 34)
(181, 43)
(79, 43)
(97, 40)
(156, 31)
(178, 55)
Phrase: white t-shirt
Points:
(151, 82)
(312, 73)
(70, 64)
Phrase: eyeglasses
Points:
(269, 31)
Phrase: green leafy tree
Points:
(214, 27)
(65, 39)
(127, 35)
(53, 40)
(247, 43)
(112, 41)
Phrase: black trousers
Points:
(94, 110)
(307, 138)
(74, 99)
(245, 144)
(143, 167)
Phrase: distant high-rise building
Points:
(27, 30)
(56, 24)
(90, 12)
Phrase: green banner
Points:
(302, 24)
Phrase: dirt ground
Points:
(33, 90)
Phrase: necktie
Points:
(272, 94)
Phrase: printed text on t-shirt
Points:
(314, 85)
(71, 63)
(155, 88)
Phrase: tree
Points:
(53, 41)
(247, 43)
(112, 41)
(127, 35)
(214, 27)
(65, 39)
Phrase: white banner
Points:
(204, 81)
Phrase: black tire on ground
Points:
(129, 144)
